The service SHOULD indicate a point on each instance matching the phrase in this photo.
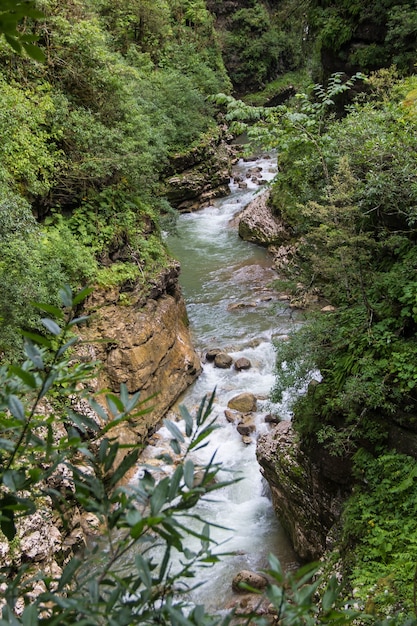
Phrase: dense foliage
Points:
(261, 42)
(85, 138)
(355, 36)
(347, 190)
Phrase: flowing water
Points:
(226, 285)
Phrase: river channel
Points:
(226, 283)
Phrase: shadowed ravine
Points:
(220, 271)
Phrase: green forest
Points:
(98, 99)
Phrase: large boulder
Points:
(258, 224)
(242, 364)
(223, 360)
(244, 403)
(246, 426)
(250, 578)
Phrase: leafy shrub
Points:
(380, 533)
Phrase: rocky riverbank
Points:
(148, 347)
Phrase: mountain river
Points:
(226, 285)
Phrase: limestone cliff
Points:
(147, 346)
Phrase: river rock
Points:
(223, 360)
(248, 577)
(258, 224)
(254, 172)
(235, 306)
(246, 427)
(211, 354)
(307, 490)
(242, 364)
(232, 416)
(244, 402)
(272, 419)
(247, 440)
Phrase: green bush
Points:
(379, 534)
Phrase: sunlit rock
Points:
(250, 578)
(244, 402)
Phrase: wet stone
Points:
(242, 364)
(211, 354)
(223, 360)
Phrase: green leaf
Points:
(175, 446)
(187, 419)
(14, 480)
(143, 569)
(78, 320)
(35, 338)
(137, 530)
(133, 517)
(16, 408)
(189, 473)
(34, 355)
(330, 595)
(68, 573)
(67, 345)
(114, 404)
(127, 463)
(48, 382)
(175, 482)
(7, 525)
(82, 422)
(13, 42)
(66, 296)
(110, 458)
(159, 496)
(174, 430)
(30, 615)
(34, 52)
(98, 408)
(49, 308)
(82, 295)
(51, 326)
(24, 376)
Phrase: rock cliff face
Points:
(147, 346)
(200, 175)
(307, 493)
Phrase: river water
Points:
(226, 285)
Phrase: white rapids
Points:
(220, 270)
